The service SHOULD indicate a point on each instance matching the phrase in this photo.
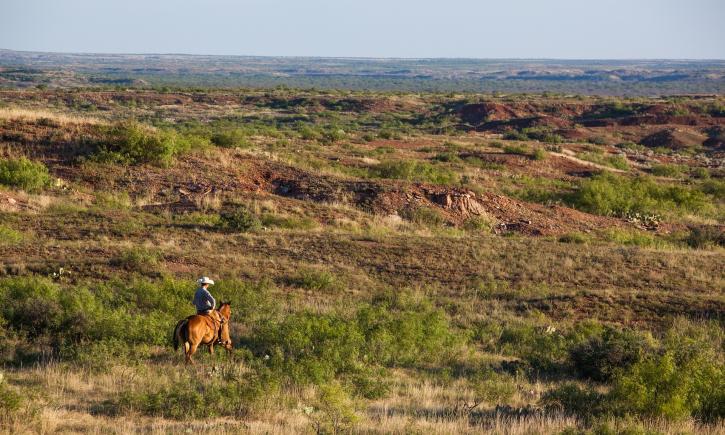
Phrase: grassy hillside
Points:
(395, 262)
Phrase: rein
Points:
(217, 330)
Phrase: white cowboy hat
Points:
(205, 280)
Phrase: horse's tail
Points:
(180, 333)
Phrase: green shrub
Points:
(239, 218)
(617, 162)
(392, 331)
(635, 238)
(542, 134)
(112, 201)
(616, 109)
(287, 222)
(191, 398)
(310, 347)
(370, 383)
(631, 146)
(333, 410)
(701, 173)
(389, 134)
(600, 357)
(137, 259)
(520, 150)
(10, 400)
(492, 388)
(333, 134)
(383, 150)
(252, 302)
(655, 388)
(448, 157)
(597, 140)
(315, 279)
(544, 350)
(572, 399)
(576, 238)
(32, 306)
(308, 133)
(24, 174)
(685, 379)
(483, 164)
(705, 236)
(412, 170)
(400, 330)
(425, 216)
(479, 224)
(132, 143)
(716, 188)
(672, 171)
(539, 154)
(39, 307)
(716, 109)
(609, 194)
(236, 138)
(515, 135)
(9, 236)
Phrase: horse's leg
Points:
(213, 361)
(192, 351)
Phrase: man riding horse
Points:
(208, 327)
(203, 300)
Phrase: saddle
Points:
(218, 321)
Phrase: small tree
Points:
(239, 218)
(334, 410)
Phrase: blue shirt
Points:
(203, 300)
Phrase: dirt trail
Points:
(587, 163)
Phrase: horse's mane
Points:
(224, 304)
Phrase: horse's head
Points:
(225, 309)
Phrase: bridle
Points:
(217, 331)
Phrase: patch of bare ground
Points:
(192, 179)
(674, 138)
(581, 121)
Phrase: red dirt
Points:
(401, 144)
(563, 117)
(11, 202)
(674, 138)
(477, 113)
(183, 187)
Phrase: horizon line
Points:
(93, 53)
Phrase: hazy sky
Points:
(581, 29)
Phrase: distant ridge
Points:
(650, 77)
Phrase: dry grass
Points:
(35, 115)
(70, 395)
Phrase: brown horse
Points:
(203, 329)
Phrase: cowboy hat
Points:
(205, 280)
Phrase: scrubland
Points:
(396, 262)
